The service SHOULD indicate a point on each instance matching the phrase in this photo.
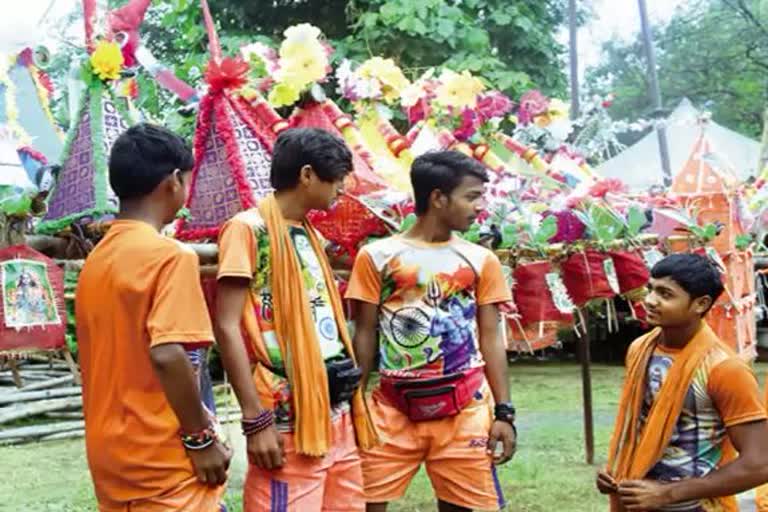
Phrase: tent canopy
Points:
(639, 166)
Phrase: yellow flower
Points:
(458, 90)
(543, 120)
(299, 39)
(283, 94)
(107, 60)
(558, 109)
(302, 70)
(391, 77)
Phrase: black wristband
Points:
(505, 411)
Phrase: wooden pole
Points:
(586, 389)
(574, 54)
(655, 90)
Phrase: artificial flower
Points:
(354, 87)
(411, 95)
(283, 94)
(492, 105)
(304, 69)
(558, 109)
(390, 76)
(107, 60)
(458, 90)
(469, 124)
(258, 54)
(300, 38)
(230, 73)
(532, 104)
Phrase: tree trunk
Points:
(763, 163)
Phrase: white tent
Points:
(639, 166)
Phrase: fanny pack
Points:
(432, 399)
(343, 378)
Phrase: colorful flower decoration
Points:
(304, 60)
(107, 60)
(391, 79)
(458, 90)
(230, 73)
(532, 104)
(493, 105)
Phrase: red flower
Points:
(229, 74)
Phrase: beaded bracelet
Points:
(255, 425)
(198, 440)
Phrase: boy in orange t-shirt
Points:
(688, 400)
(278, 305)
(150, 441)
(428, 303)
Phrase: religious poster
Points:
(28, 297)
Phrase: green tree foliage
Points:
(511, 43)
(714, 52)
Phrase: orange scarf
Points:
(297, 338)
(635, 448)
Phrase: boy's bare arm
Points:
(495, 356)
(177, 377)
(265, 448)
(365, 342)
(231, 295)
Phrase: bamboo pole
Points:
(35, 431)
(23, 396)
(19, 411)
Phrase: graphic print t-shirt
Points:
(244, 252)
(724, 393)
(428, 296)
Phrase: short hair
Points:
(328, 155)
(444, 171)
(694, 273)
(143, 156)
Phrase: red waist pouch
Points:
(432, 399)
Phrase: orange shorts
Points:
(189, 496)
(453, 449)
(333, 483)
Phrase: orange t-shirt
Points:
(137, 289)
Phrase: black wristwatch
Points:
(505, 411)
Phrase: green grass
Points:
(548, 473)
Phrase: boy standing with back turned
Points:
(139, 307)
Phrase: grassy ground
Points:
(548, 473)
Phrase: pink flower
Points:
(418, 112)
(468, 126)
(569, 227)
(493, 104)
(604, 186)
(532, 104)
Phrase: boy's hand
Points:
(502, 432)
(265, 449)
(211, 464)
(606, 484)
(639, 495)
